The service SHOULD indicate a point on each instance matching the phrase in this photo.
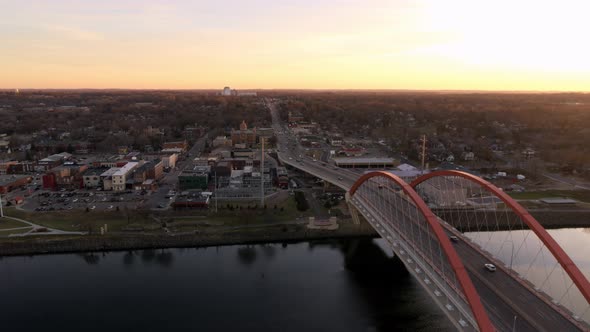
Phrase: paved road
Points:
(35, 229)
(572, 182)
(503, 297)
(170, 180)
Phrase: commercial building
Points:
(222, 141)
(9, 182)
(67, 176)
(196, 177)
(92, 177)
(119, 177)
(192, 199)
(5, 166)
(175, 147)
(53, 161)
(107, 178)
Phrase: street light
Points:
(514, 324)
(511, 255)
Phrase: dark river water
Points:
(352, 285)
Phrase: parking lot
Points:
(83, 199)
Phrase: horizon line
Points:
(301, 89)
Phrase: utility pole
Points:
(262, 174)
(1, 209)
(215, 193)
(423, 151)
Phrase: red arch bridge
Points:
(447, 225)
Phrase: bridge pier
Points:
(353, 211)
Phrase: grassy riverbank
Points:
(278, 233)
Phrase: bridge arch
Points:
(560, 255)
(469, 291)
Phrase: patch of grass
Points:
(6, 223)
(79, 220)
(580, 195)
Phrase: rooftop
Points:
(125, 169)
(8, 179)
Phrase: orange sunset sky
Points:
(316, 44)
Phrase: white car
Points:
(490, 267)
(93, 207)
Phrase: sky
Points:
(299, 44)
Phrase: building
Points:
(67, 176)
(196, 177)
(119, 177)
(407, 172)
(176, 147)
(53, 161)
(243, 153)
(155, 170)
(352, 151)
(92, 177)
(528, 153)
(21, 167)
(192, 199)
(468, 156)
(5, 166)
(222, 141)
(9, 182)
(107, 178)
(295, 117)
(244, 135)
(335, 140)
(226, 91)
(168, 159)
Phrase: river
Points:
(339, 285)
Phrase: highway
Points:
(510, 305)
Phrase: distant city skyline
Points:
(295, 44)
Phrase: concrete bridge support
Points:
(353, 211)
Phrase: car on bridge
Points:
(490, 267)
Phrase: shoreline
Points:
(55, 244)
(123, 242)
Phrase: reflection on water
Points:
(525, 254)
(354, 285)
